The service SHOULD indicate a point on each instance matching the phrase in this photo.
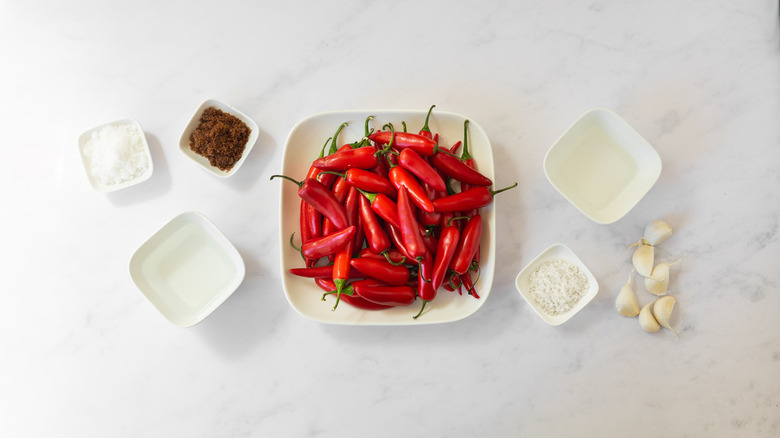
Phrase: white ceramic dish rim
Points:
(208, 227)
(302, 294)
(97, 185)
(655, 170)
(557, 250)
(203, 162)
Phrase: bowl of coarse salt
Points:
(557, 284)
(115, 155)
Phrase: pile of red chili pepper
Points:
(381, 224)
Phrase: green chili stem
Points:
(387, 256)
(322, 152)
(495, 192)
(333, 172)
(370, 196)
(300, 250)
(421, 310)
(333, 146)
(449, 222)
(466, 155)
(367, 132)
(425, 127)
(299, 183)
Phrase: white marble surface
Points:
(83, 354)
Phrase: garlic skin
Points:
(647, 321)
(643, 259)
(626, 300)
(663, 309)
(656, 232)
(658, 280)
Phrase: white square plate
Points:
(602, 166)
(303, 146)
(557, 251)
(184, 141)
(95, 182)
(187, 269)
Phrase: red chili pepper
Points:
(313, 220)
(376, 236)
(392, 255)
(470, 289)
(324, 178)
(475, 197)
(430, 219)
(353, 300)
(467, 246)
(385, 295)
(327, 227)
(341, 269)
(362, 157)
(453, 282)
(425, 131)
(322, 199)
(454, 148)
(422, 145)
(453, 167)
(379, 269)
(448, 242)
(410, 231)
(424, 285)
(323, 246)
(340, 189)
(401, 177)
(414, 163)
(369, 181)
(323, 272)
(398, 242)
(362, 303)
(352, 206)
(384, 207)
(303, 217)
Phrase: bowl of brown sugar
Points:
(218, 138)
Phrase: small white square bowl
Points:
(602, 166)
(187, 269)
(184, 141)
(94, 181)
(557, 251)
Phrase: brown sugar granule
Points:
(220, 137)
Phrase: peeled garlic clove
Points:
(647, 321)
(656, 287)
(626, 300)
(657, 232)
(658, 280)
(663, 308)
(643, 259)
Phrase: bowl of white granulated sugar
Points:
(115, 155)
(557, 284)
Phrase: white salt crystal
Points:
(116, 154)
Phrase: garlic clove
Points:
(643, 259)
(647, 321)
(658, 280)
(656, 287)
(656, 232)
(661, 270)
(626, 300)
(663, 309)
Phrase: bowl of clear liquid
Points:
(187, 269)
(602, 165)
